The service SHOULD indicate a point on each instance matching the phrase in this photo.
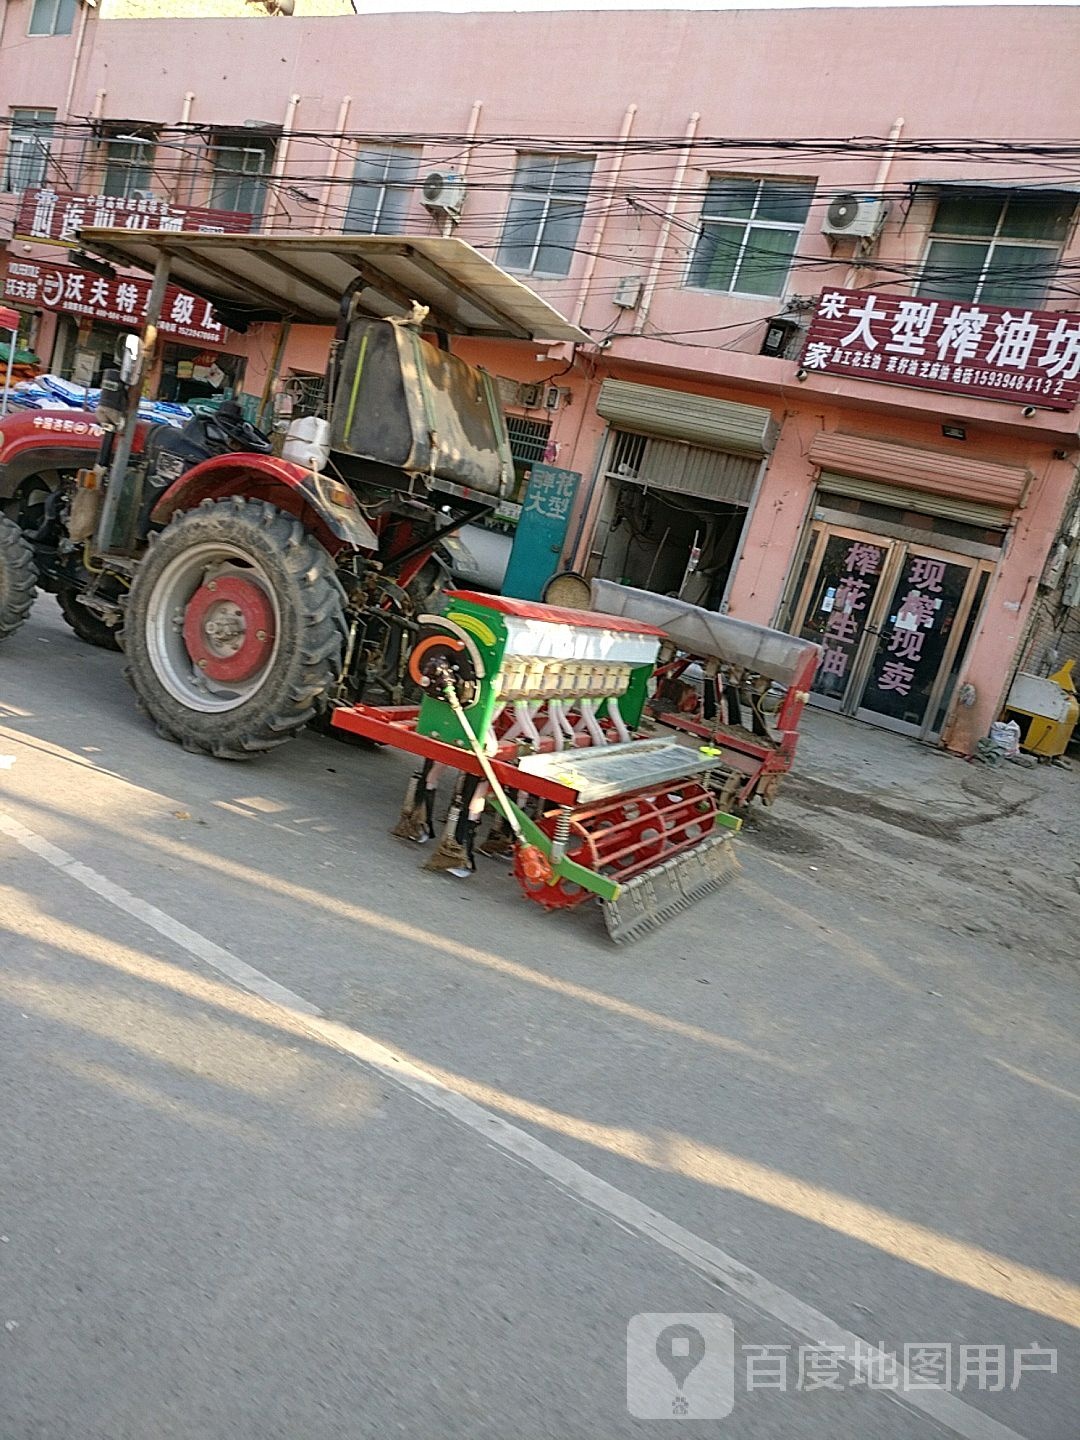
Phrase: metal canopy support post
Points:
(114, 488)
(10, 366)
(272, 373)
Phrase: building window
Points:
(129, 164)
(52, 17)
(241, 165)
(999, 249)
(528, 439)
(303, 393)
(546, 208)
(28, 148)
(749, 230)
(382, 185)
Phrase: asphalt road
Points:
(301, 1141)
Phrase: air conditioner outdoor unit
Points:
(529, 396)
(443, 193)
(859, 217)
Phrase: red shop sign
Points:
(120, 301)
(57, 216)
(1027, 357)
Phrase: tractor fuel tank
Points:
(403, 402)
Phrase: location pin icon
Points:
(680, 1349)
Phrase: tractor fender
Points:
(326, 507)
(36, 440)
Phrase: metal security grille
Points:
(528, 439)
(687, 469)
(307, 393)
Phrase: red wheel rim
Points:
(229, 628)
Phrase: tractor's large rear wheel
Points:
(18, 577)
(234, 628)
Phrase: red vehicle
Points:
(41, 452)
(251, 590)
(254, 592)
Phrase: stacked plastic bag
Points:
(53, 392)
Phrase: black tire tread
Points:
(90, 628)
(18, 577)
(322, 631)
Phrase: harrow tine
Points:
(656, 895)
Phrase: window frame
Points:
(41, 131)
(389, 151)
(748, 223)
(231, 142)
(61, 11)
(133, 136)
(991, 242)
(547, 198)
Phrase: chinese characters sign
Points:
(550, 492)
(845, 605)
(120, 301)
(541, 531)
(1031, 357)
(58, 216)
(915, 635)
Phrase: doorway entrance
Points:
(894, 620)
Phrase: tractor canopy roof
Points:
(302, 278)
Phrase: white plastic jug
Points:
(307, 442)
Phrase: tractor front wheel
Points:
(234, 628)
(18, 577)
(87, 624)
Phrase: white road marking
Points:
(628, 1213)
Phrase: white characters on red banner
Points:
(1015, 337)
(1063, 351)
(44, 210)
(182, 309)
(977, 349)
(863, 333)
(127, 297)
(52, 289)
(962, 333)
(910, 327)
(117, 300)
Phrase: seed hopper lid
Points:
(603, 772)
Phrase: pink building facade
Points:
(680, 185)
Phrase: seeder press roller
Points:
(535, 710)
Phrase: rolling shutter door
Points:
(947, 506)
(685, 469)
(693, 419)
(953, 485)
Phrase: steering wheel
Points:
(236, 432)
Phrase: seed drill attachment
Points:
(535, 708)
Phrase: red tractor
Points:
(250, 591)
(253, 593)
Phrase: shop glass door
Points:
(890, 617)
(846, 570)
(914, 643)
